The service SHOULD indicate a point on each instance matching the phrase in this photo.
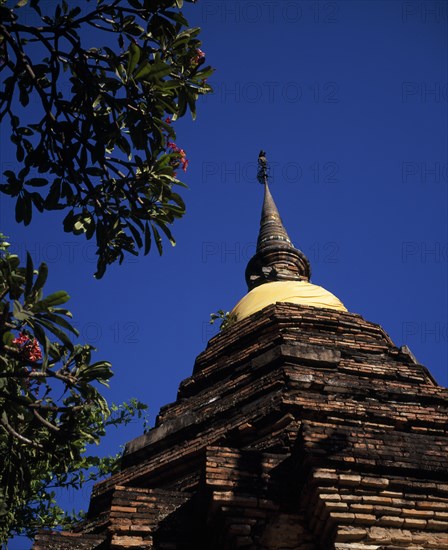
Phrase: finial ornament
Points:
(276, 258)
(262, 174)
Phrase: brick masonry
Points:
(299, 429)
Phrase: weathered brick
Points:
(379, 534)
(414, 523)
(409, 512)
(342, 516)
(350, 479)
(392, 521)
(365, 518)
(238, 529)
(127, 509)
(435, 525)
(345, 534)
(320, 412)
(363, 508)
(401, 536)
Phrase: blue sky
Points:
(349, 99)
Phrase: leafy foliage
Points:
(50, 406)
(99, 142)
(227, 319)
(93, 132)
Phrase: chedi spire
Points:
(276, 258)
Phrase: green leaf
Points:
(69, 221)
(22, 315)
(171, 84)
(41, 279)
(55, 299)
(136, 235)
(147, 239)
(55, 330)
(7, 338)
(191, 100)
(134, 53)
(98, 371)
(167, 232)
(19, 209)
(29, 275)
(42, 338)
(143, 70)
(62, 322)
(181, 104)
(178, 200)
(152, 71)
(157, 238)
(52, 199)
(37, 182)
(27, 208)
(123, 144)
(24, 96)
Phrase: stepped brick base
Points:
(300, 429)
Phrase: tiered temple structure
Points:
(302, 427)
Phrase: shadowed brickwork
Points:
(300, 429)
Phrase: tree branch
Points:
(49, 425)
(18, 436)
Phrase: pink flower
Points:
(21, 339)
(182, 154)
(168, 120)
(199, 55)
(29, 349)
(35, 352)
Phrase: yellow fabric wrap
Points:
(296, 292)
